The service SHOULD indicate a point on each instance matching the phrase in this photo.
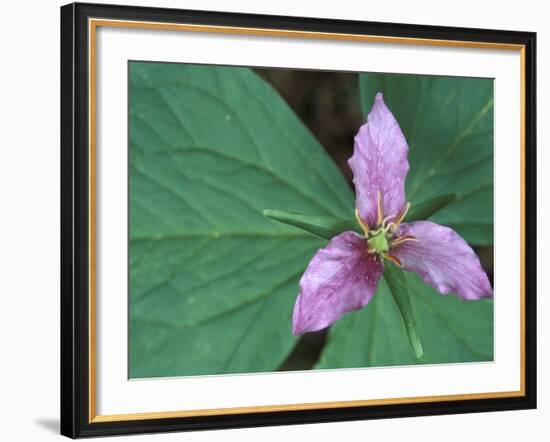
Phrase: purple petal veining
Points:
(379, 163)
(443, 259)
(340, 278)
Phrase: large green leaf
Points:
(451, 330)
(212, 281)
(448, 124)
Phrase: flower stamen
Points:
(403, 239)
(393, 259)
(379, 239)
(385, 220)
(401, 216)
(362, 223)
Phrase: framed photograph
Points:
(278, 220)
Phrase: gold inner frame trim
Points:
(93, 24)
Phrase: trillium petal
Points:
(443, 259)
(340, 278)
(379, 163)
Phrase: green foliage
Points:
(428, 208)
(451, 330)
(212, 281)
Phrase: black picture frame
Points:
(75, 219)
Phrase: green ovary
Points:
(379, 242)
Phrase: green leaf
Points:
(428, 208)
(452, 330)
(322, 226)
(212, 281)
(448, 124)
(398, 287)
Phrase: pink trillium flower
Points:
(343, 276)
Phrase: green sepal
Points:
(323, 226)
(398, 287)
(427, 208)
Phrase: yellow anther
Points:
(402, 214)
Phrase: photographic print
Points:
(274, 220)
(285, 220)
